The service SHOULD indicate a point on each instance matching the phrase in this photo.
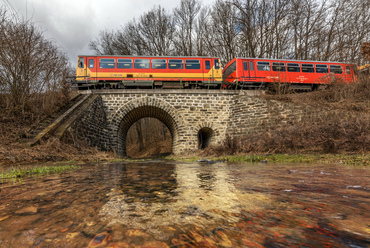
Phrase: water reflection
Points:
(189, 194)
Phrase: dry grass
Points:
(150, 149)
(52, 150)
(15, 128)
(338, 95)
(326, 137)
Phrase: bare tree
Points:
(151, 35)
(29, 64)
(365, 51)
(279, 28)
(353, 27)
(201, 27)
(307, 19)
(104, 43)
(248, 26)
(223, 31)
(262, 26)
(185, 20)
(156, 29)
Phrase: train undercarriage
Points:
(145, 84)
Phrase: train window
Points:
(107, 63)
(245, 66)
(124, 63)
(336, 69)
(263, 66)
(322, 69)
(308, 68)
(192, 64)
(142, 63)
(278, 66)
(251, 66)
(81, 63)
(208, 64)
(175, 64)
(159, 64)
(217, 64)
(91, 63)
(348, 70)
(293, 67)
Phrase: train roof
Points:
(295, 60)
(142, 56)
(284, 60)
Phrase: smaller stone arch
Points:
(205, 135)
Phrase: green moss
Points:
(36, 171)
(356, 160)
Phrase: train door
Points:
(249, 70)
(81, 68)
(349, 74)
(91, 67)
(208, 70)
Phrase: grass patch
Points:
(356, 160)
(352, 160)
(243, 158)
(36, 171)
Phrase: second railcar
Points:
(299, 74)
(95, 72)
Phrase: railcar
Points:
(298, 74)
(94, 72)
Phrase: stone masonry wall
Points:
(253, 114)
(91, 127)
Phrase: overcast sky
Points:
(73, 23)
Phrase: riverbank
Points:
(19, 153)
(56, 153)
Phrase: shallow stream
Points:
(176, 204)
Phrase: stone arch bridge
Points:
(195, 118)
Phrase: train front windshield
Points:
(229, 70)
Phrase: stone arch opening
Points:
(204, 137)
(148, 137)
(142, 112)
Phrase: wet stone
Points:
(4, 218)
(27, 210)
(99, 240)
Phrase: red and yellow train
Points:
(152, 72)
(94, 72)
